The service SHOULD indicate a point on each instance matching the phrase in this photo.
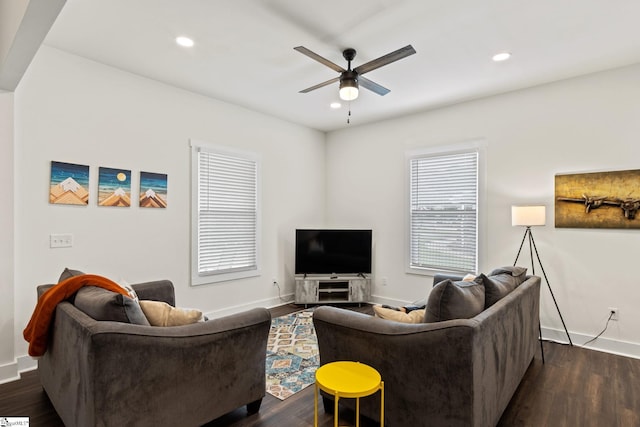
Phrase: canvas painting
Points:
(153, 190)
(598, 200)
(114, 187)
(69, 184)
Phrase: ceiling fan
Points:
(350, 79)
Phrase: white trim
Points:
(377, 299)
(607, 345)
(11, 371)
(200, 279)
(480, 146)
(267, 302)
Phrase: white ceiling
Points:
(243, 51)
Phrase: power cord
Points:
(277, 285)
(602, 332)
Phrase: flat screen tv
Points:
(332, 252)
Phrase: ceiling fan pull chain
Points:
(349, 115)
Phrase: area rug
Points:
(292, 354)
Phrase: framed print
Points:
(598, 200)
(114, 187)
(69, 184)
(153, 190)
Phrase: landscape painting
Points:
(114, 187)
(598, 200)
(153, 190)
(69, 184)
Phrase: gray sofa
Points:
(460, 372)
(106, 373)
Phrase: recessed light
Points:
(184, 41)
(335, 105)
(502, 56)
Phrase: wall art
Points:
(69, 184)
(153, 190)
(598, 200)
(114, 187)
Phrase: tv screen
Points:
(333, 251)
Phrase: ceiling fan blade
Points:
(303, 50)
(386, 59)
(372, 86)
(319, 85)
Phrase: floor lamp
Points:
(529, 216)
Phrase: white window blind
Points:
(444, 212)
(227, 213)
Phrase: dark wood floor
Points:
(576, 387)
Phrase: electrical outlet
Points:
(615, 314)
(384, 281)
(274, 281)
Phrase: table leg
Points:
(315, 406)
(381, 403)
(357, 412)
(335, 410)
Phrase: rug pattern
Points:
(292, 354)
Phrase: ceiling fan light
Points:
(348, 89)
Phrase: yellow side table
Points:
(350, 380)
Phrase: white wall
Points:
(578, 125)
(73, 110)
(7, 368)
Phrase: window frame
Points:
(197, 277)
(475, 146)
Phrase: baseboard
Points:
(375, 299)
(11, 371)
(267, 302)
(607, 345)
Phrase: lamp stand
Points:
(532, 248)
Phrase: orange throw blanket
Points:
(37, 331)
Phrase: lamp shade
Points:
(528, 215)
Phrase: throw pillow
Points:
(102, 304)
(127, 287)
(160, 313)
(68, 273)
(414, 316)
(455, 300)
(501, 281)
(513, 270)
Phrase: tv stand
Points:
(352, 288)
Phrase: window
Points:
(443, 211)
(225, 215)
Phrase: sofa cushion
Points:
(160, 313)
(455, 300)
(414, 316)
(102, 304)
(501, 281)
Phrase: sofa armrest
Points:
(157, 290)
(439, 277)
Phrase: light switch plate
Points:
(60, 240)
